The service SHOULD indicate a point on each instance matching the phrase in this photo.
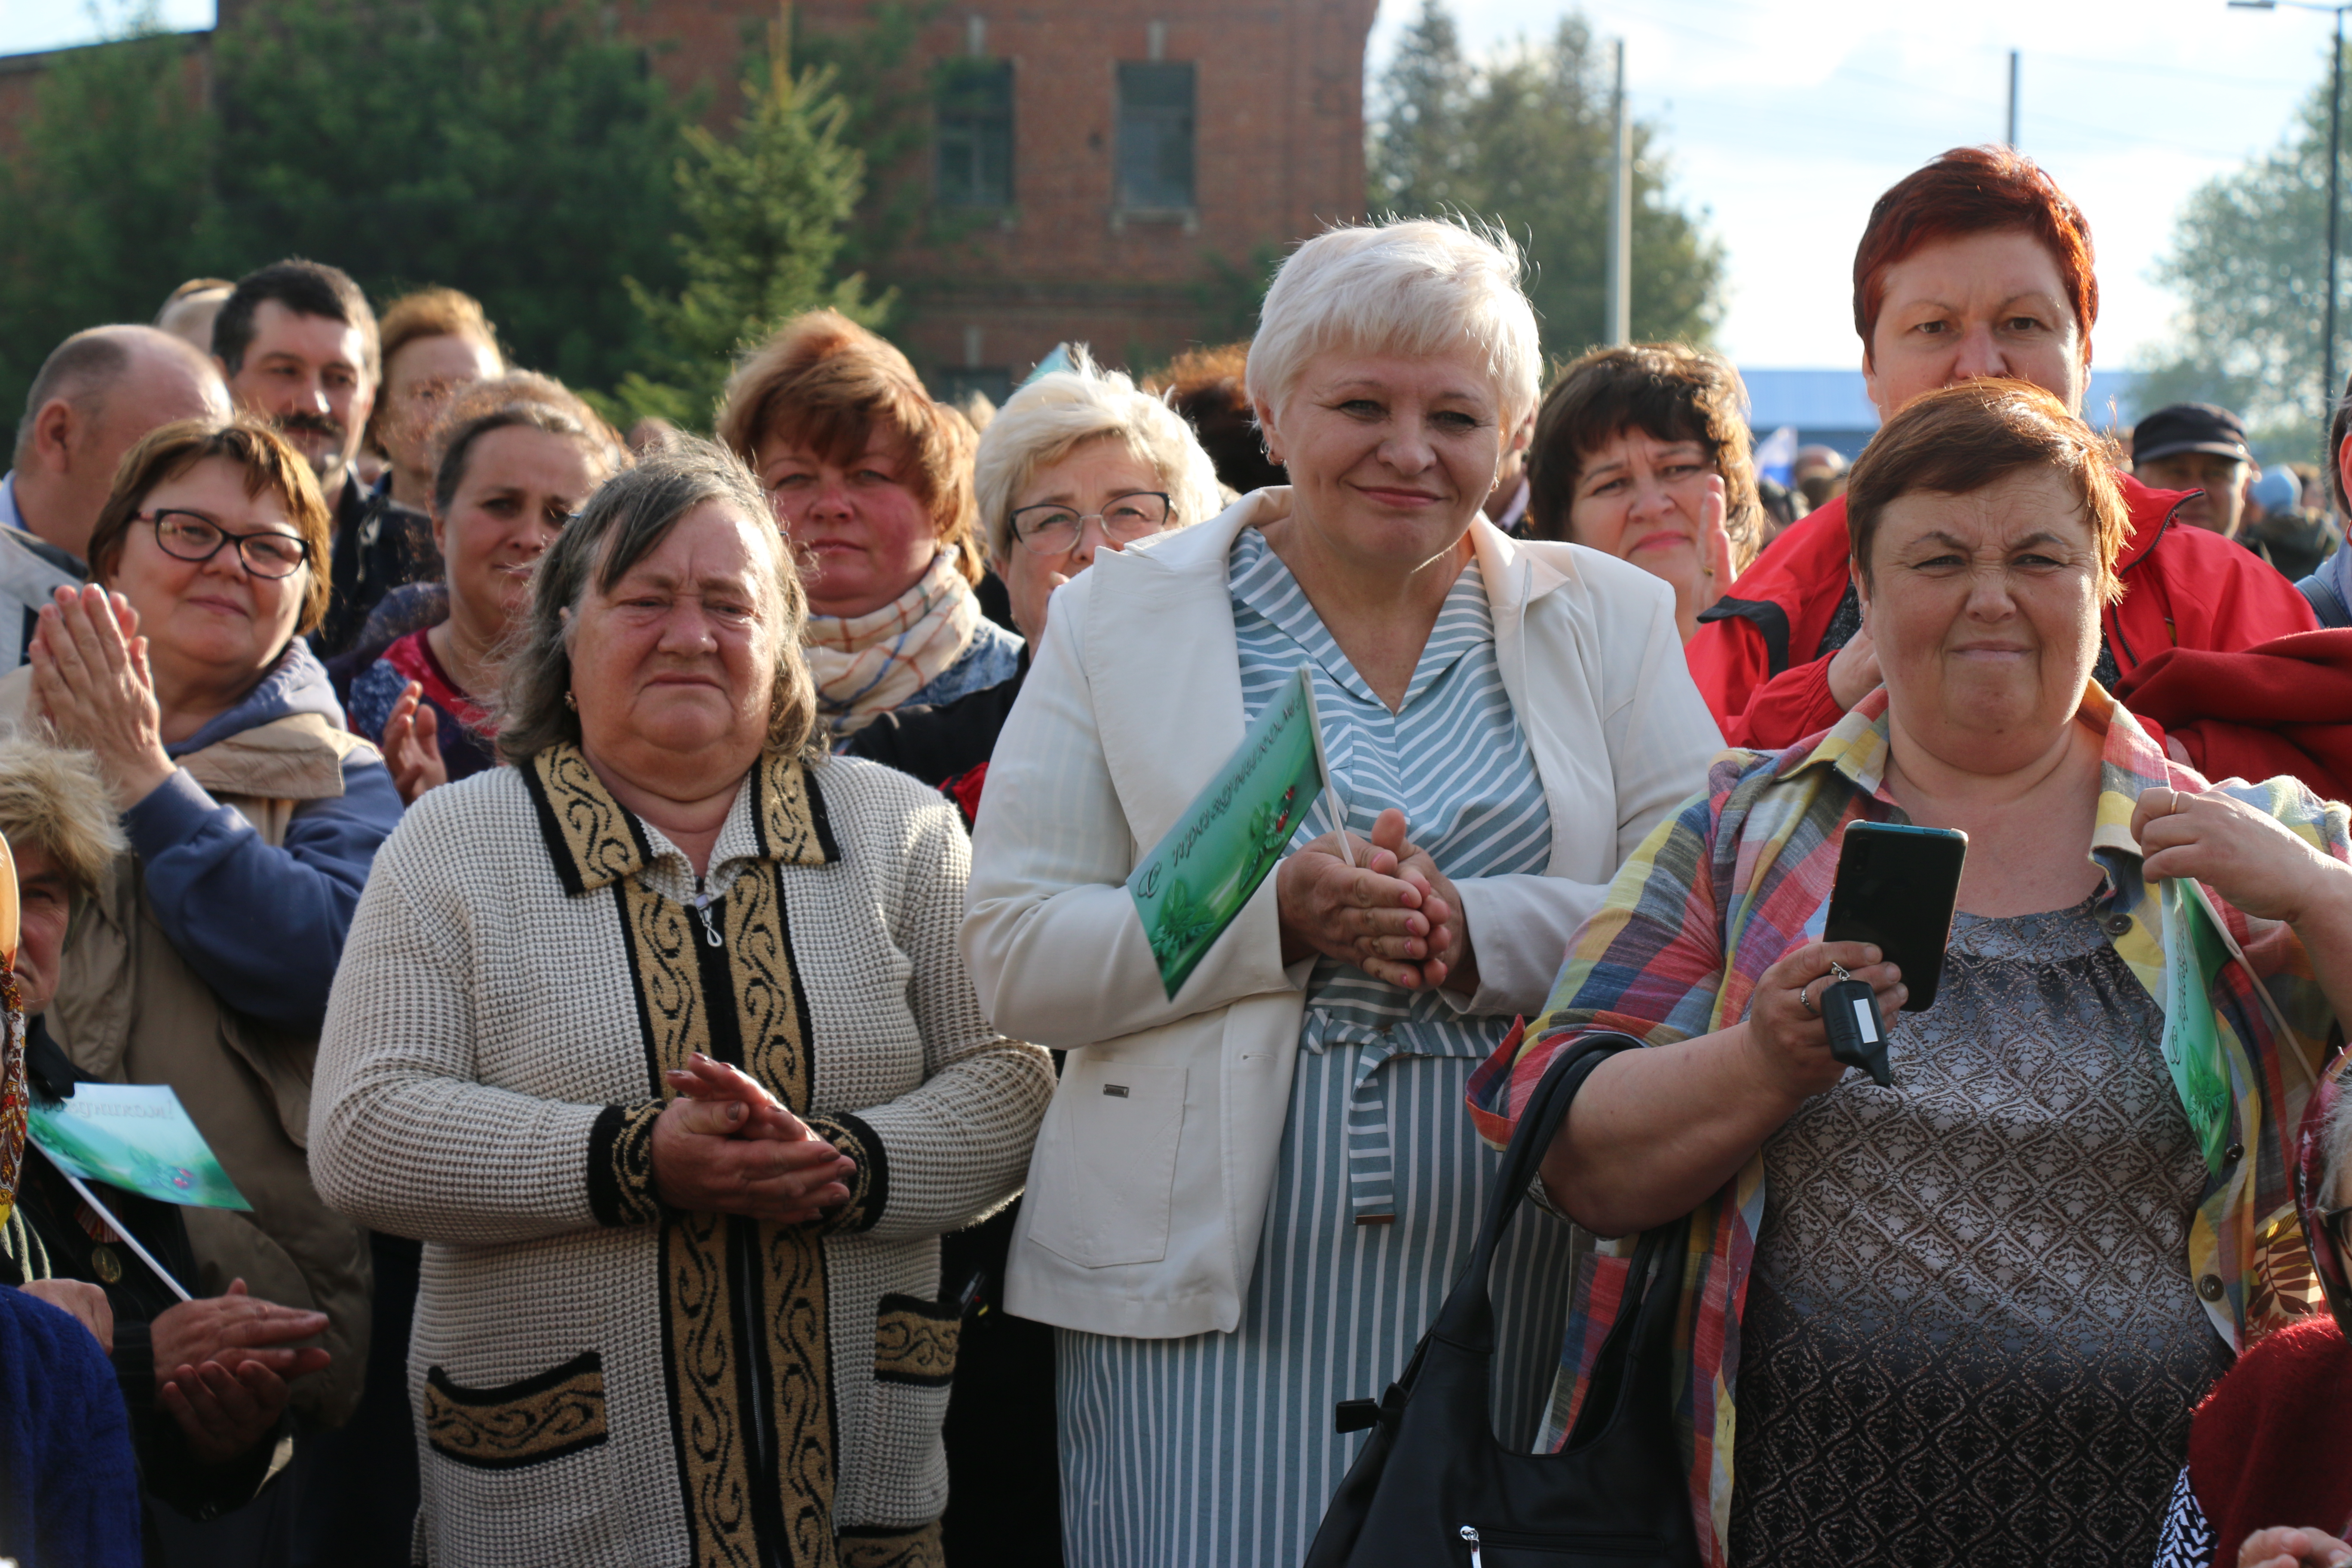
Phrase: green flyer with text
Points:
(1195, 880)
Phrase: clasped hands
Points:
(1393, 914)
(726, 1145)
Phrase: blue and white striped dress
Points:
(1218, 1450)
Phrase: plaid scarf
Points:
(866, 664)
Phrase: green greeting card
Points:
(138, 1137)
(1194, 881)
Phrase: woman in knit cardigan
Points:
(659, 1040)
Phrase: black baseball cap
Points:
(2188, 428)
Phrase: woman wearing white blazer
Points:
(1247, 1203)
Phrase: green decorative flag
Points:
(1194, 881)
(2194, 955)
(138, 1137)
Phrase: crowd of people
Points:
(643, 923)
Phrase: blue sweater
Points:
(68, 1486)
(263, 925)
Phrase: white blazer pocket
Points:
(1104, 1180)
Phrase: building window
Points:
(975, 133)
(1155, 136)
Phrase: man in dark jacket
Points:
(298, 344)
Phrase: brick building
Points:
(1096, 171)
(1089, 158)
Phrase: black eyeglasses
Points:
(1054, 529)
(192, 536)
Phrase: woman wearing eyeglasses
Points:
(205, 960)
(1076, 462)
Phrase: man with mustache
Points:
(298, 344)
(96, 395)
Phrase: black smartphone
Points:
(1896, 888)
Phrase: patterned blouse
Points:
(1742, 874)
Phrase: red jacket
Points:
(2266, 1445)
(2183, 587)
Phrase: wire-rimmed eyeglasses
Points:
(1052, 529)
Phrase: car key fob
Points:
(1850, 1011)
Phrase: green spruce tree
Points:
(764, 218)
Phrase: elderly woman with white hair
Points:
(1247, 1199)
(1076, 462)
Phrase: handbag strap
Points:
(1467, 1319)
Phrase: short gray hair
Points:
(627, 518)
(1413, 286)
(1051, 416)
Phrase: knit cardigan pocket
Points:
(559, 1412)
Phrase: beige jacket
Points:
(129, 1009)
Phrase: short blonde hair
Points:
(53, 799)
(1414, 287)
(1054, 415)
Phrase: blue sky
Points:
(1784, 119)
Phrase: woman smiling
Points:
(205, 960)
(1247, 1197)
(514, 457)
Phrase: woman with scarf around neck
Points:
(871, 481)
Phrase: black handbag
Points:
(1433, 1487)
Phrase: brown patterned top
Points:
(1971, 1337)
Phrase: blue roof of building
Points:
(1824, 400)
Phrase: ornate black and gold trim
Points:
(915, 1341)
(869, 1187)
(594, 841)
(743, 1304)
(559, 1412)
(621, 1164)
(874, 1546)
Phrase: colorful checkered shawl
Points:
(1742, 873)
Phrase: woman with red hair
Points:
(1979, 264)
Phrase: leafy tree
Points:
(1522, 140)
(100, 207)
(510, 148)
(765, 216)
(2248, 259)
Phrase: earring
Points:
(572, 702)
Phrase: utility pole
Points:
(1621, 214)
(2012, 97)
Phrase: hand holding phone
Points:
(1897, 888)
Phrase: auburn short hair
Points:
(1973, 190)
(270, 464)
(825, 383)
(1968, 437)
(1670, 392)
